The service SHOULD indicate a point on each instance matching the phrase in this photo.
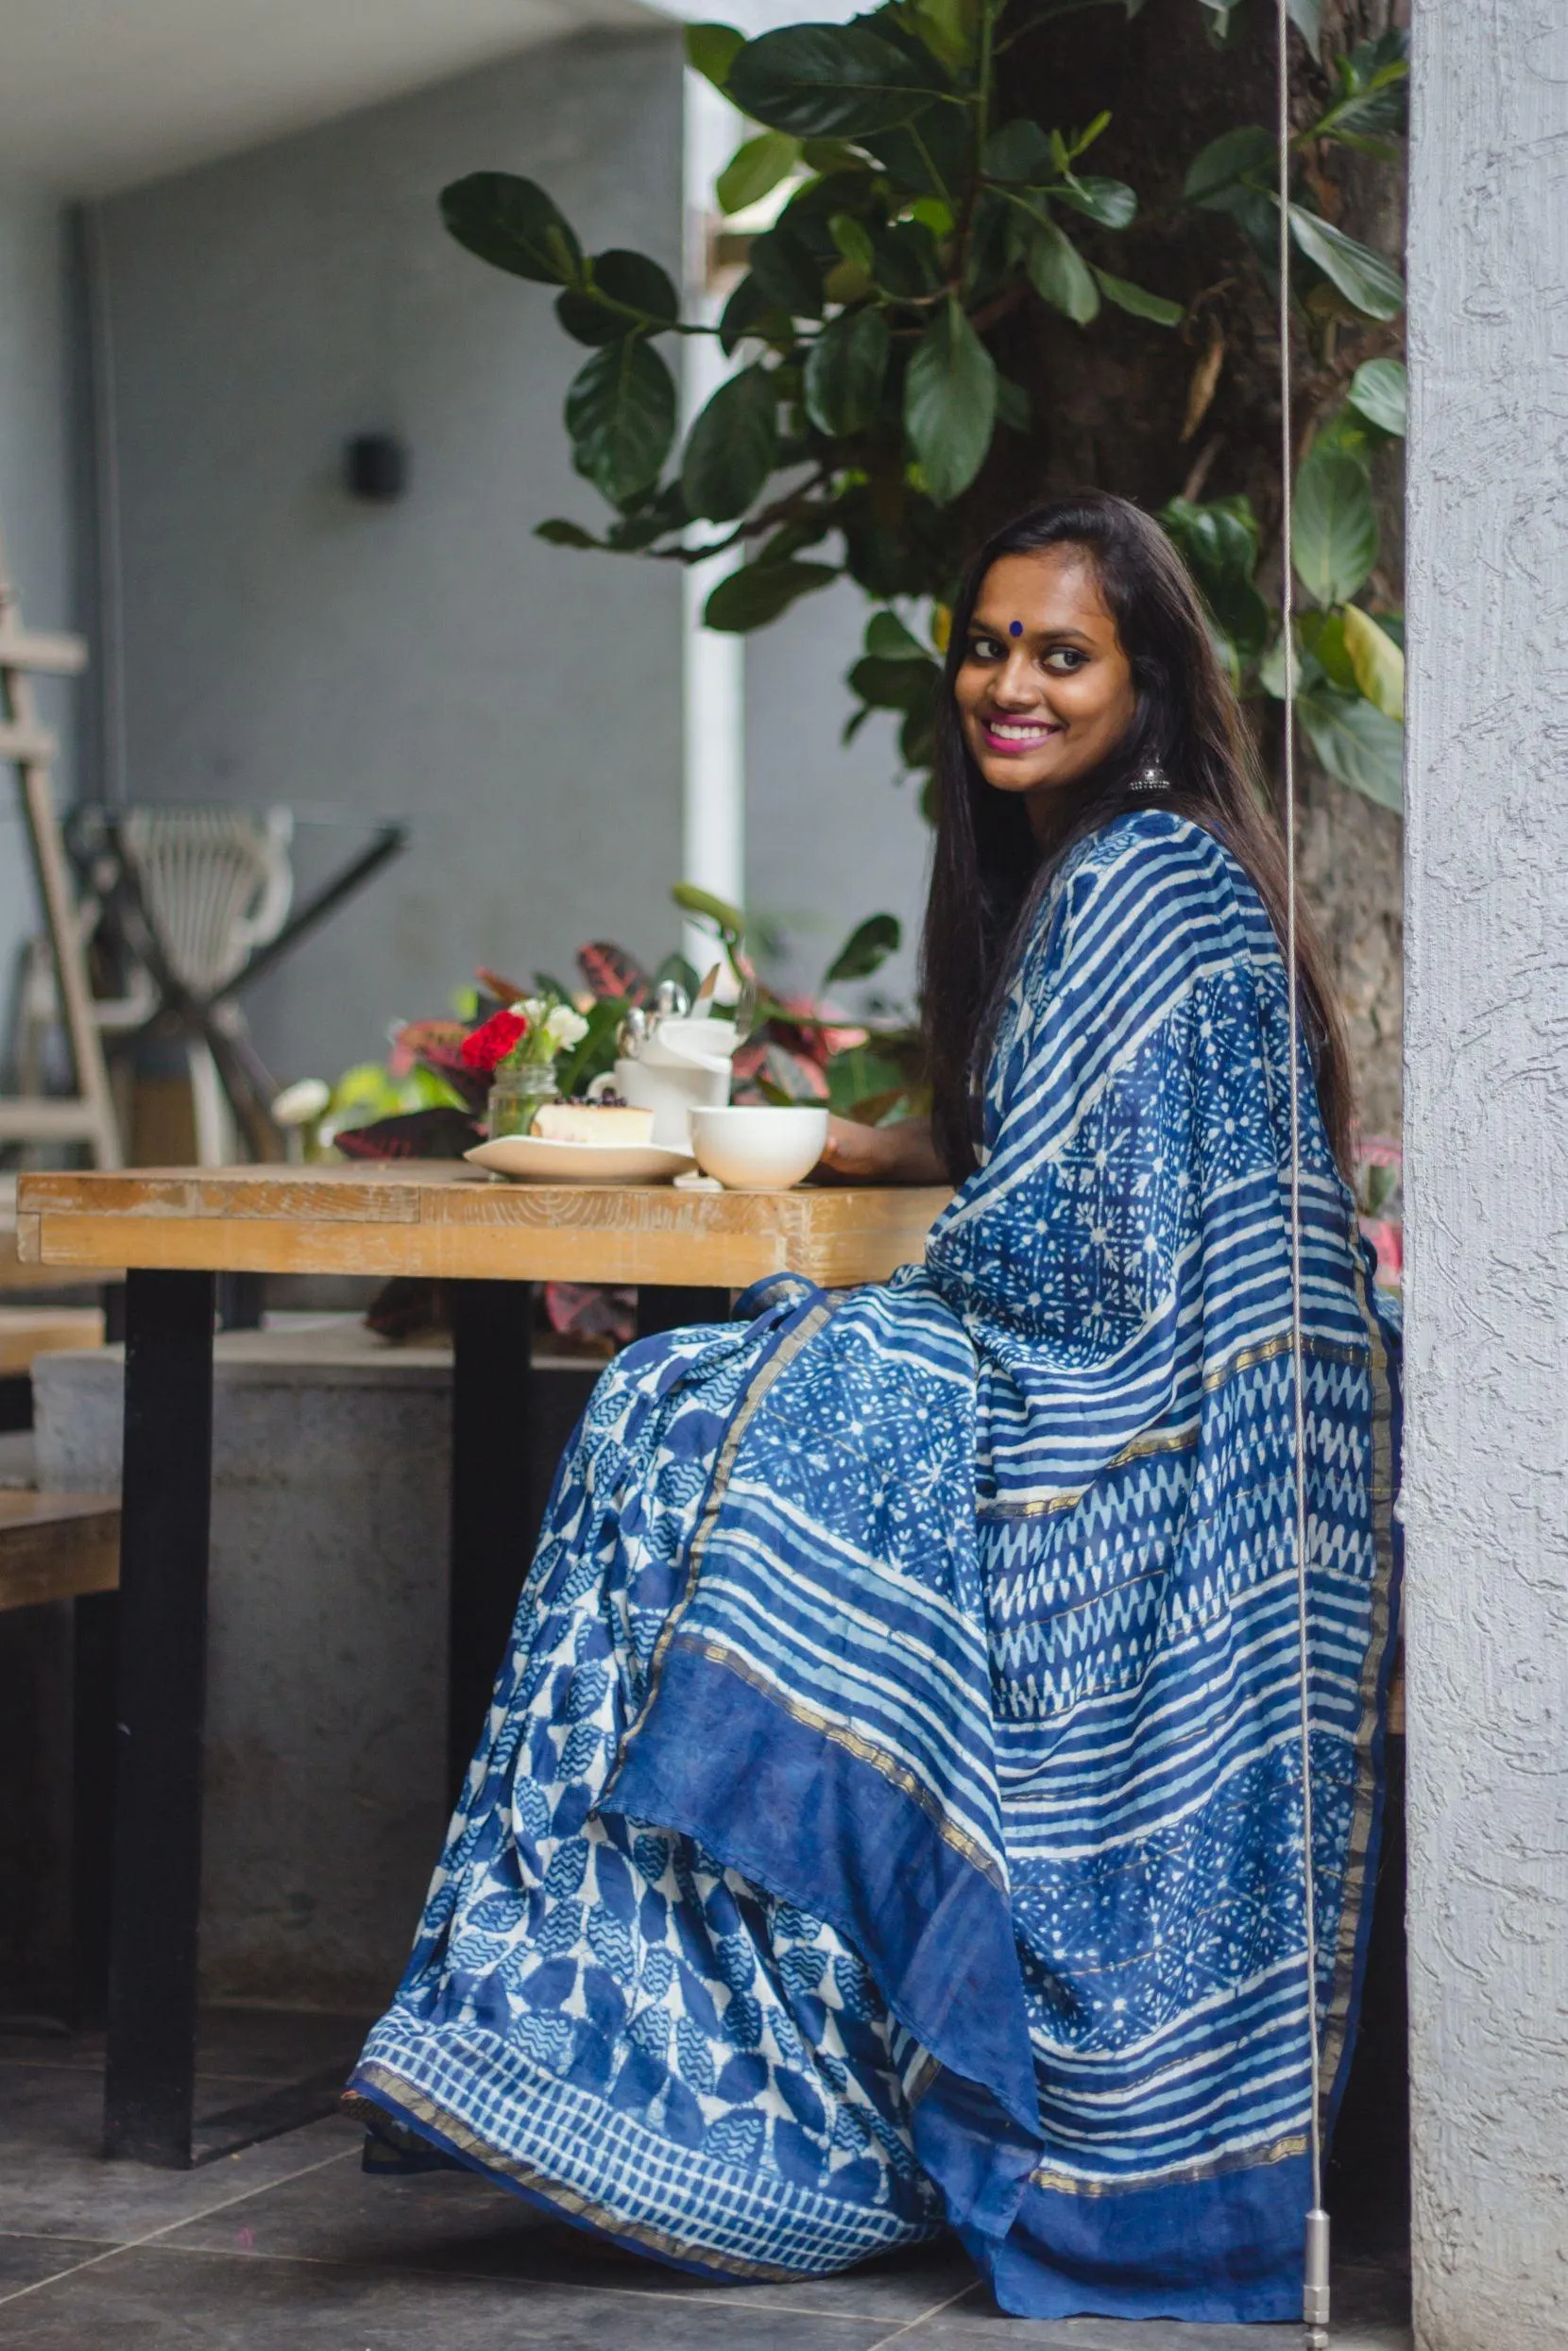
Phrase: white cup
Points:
(758, 1148)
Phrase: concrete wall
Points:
(1487, 1140)
(37, 523)
(431, 658)
(831, 836)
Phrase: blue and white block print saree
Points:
(890, 1811)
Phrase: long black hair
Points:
(988, 876)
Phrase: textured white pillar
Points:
(1487, 1143)
(713, 799)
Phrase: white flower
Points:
(299, 1103)
(564, 1027)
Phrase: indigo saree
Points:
(890, 1811)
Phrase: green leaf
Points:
(1141, 305)
(1060, 276)
(727, 920)
(732, 448)
(1377, 662)
(630, 280)
(1335, 527)
(1012, 405)
(866, 949)
(949, 28)
(1020, 150)
(1306, 16)
(1218, 542)
(1355, 743)
(782, 264)
(747, 312)
(621, 415)
(888, 640)
(1218, 170)
(833, 81)
(513, 225)
(950, 403)
(755, 169)
(846, 370)
(853, 239)
(559, 533)
(759, 592)
(1374, 286)
(711, 50)
(1322, 638)
(1378, 390)
(896, 682)
(1112, 202)
(904, 261)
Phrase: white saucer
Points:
(530, 1159)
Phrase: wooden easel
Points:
(86, 1115)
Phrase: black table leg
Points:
(492, 1517)
(93, 1710)
(667, 1308)
(157, 1880)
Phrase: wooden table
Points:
(175, 1231)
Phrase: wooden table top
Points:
(436, 1218)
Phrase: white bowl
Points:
(758, 1148)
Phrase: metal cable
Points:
(1315, 2286)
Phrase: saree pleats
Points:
(891, 1808)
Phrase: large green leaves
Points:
(846, 370)
(1357, 744)
(866, 949)
(1335, 527)
(1378, 663)
(755, 169)
(513, 225)
(732, 448)
(1227, 164)
(1139, 301)
(834, 82)
(621, 294)
(950, 403)
(1060, 276)
(711, 50)
(1368, 281)
(759, 592)
(1220, 543)
(621, 414)
(1378, 392)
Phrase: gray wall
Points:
(1487, 1126)
(431, 659)
(36, 505)
(831, 836)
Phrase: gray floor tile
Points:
(153, 2299)
(448, 2222)
(55, 2182)
(272, 2045)
(977, 2324)
(24, 2260)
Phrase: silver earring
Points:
(1153, 779)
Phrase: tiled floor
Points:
(288, 2246)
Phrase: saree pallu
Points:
(889, 1814)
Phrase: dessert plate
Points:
(529, 1159)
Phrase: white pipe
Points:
(713, 796)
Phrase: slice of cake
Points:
(593, 1122)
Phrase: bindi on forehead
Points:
(1014, 628)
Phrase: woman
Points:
(889, 1812)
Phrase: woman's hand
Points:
(903, 1154)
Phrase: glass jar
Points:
(516, 1095)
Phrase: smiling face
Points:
(1045, 691)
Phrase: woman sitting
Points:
(889, 1814)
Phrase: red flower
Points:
(488, 1045)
